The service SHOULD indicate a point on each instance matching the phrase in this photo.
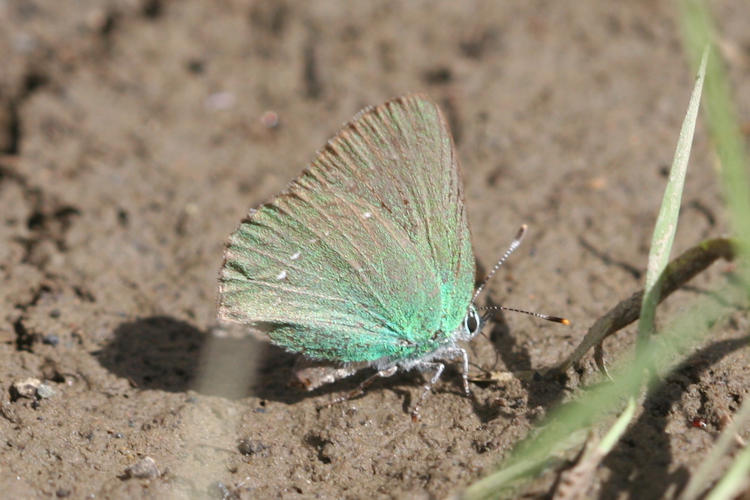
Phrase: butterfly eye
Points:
(472, 322)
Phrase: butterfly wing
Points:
(367, 255)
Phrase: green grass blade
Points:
(615, 432)
(722, 125)
(666, 222)
(731, 485)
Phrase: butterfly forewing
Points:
(365, 256)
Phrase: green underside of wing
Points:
(368, 254)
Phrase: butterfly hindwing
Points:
(367, 254)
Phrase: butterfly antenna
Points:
(555, 319)
(513, 245)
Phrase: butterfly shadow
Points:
(164, 353)
(157, 352)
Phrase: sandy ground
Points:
(135, 135)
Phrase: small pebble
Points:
(195, 66)
(270, 119)
(24, 388)
(45, 391)
(144, 468)
(251, 446)
(51, 339)
(62, 493)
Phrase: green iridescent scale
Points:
(367, 255)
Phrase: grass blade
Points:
(666, 222)
(734, 480)
(722, 125)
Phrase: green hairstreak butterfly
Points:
(367, 256)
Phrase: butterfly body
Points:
(366, 257)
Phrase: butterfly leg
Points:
(459, 352)
(437, 369)
(387, 372)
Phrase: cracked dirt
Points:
(136, 133)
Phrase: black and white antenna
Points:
(513, 246)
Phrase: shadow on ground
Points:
(164, 353)
(157, 352)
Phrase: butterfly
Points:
(367, 256)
